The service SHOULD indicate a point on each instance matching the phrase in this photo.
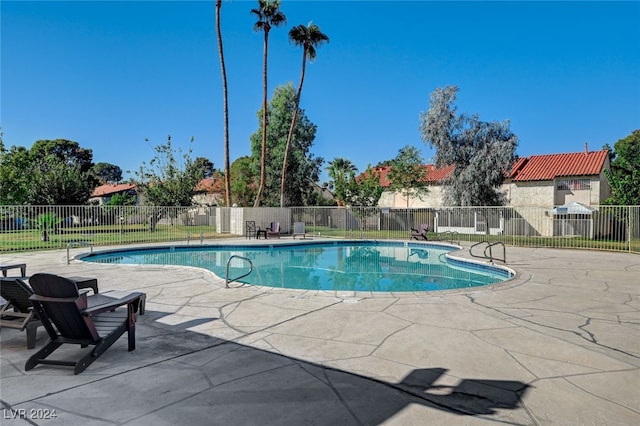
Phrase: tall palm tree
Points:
(269, 15)
(309, 38)
(227, 167)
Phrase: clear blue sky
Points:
(110, 74)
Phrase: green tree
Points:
(168, 180)
(309, 38)
(624, 177)
(243, 181)
(51, 172)
(363, 190)
(69, 152)
(54, 182)
(407, 174)
(481, 152)
(15, 175)
(225, 97)
(107, 173)
(205, 165)
(340, 170)
(269, 15)
(122, 199)
(303, 168)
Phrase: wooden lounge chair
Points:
(420, 233)
(298, 229)
(273, 230)
(21, 266)
(69, 318)
(18, 312)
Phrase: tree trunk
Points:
(292, 127)
(263, 159)
(227, 167)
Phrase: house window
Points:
(573, 184)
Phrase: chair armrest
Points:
(38, 298)
(103, 302)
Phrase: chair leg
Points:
(31, 335)
(84, 362)
(41, 354)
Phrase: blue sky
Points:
(109, 75)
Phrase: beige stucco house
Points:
(539, 180)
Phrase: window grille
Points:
(573, 184)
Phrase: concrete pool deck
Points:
(559, 344)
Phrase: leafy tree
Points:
(269, 15)
(54, 182)
(205, 165)
(480, 151)
(363, 190)
(69, 152)
(408, 174)
(168, 180)
(107, 173)
(309, 38)
(243, 181)
(225, 97)
(339, 171)
(361, 193)
(122, 199)
(303, 168)
(624, 177)
(51, 172)
(15, 175)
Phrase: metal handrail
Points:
(77, 243)
(450, 234)
(504, 252)
(227, 280)
(489, 247)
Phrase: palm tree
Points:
(339, 171)
(269, 15)
(227, 167)
(309, 38)
(340, 168)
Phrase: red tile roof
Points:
(534, 168)
(109, 188)
(548, 167)
(433, 175)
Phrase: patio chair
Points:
(68, 317)
(298, 229)
(250, 229)
(21, 266)
(273, 230)
(420, 233)
(18, 312)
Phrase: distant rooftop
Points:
(533, 168)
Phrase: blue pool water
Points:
(356, 266)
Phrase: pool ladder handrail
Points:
(77, 243)
(226, 278)
(489, 247)
(451, 234)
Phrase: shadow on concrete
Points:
(247, 384)
(180, 376)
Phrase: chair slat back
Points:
(16, 292)
(51, 285)
(57, 300)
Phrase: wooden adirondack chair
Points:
(69, 318)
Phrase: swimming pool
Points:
(340, 266)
